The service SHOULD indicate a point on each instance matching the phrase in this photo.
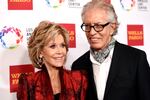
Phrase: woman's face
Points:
(54, 54)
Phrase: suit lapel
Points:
(113, 69)
(92, 86)
(92, 82)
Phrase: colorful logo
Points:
(20, 4)
(54, 3)
(135, 35)
(11, 37)
(127, 4)
(72, 34)
(16, 71)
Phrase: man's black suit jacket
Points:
(129, 75)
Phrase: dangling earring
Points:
(40, 61)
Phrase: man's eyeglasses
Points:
(97, 27)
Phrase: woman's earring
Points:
(40, 61)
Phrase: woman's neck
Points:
(55, 80)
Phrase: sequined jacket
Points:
(37, 86)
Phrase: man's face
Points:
(98, 40)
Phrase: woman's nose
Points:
(59, 49)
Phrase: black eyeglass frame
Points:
(93, 26)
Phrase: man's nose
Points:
(92, 31)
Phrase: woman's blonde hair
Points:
(42, 34)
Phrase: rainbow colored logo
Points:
(11, 37)
(54, 3)
(127, 4)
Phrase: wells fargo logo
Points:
(15, 71)
(135, 35)
(72, 34)
(20, 5)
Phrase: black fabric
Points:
(128, 78)
(56, 96)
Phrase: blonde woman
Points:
(48, 47)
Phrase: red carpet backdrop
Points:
(18, 18)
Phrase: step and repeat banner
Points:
(18, 18)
